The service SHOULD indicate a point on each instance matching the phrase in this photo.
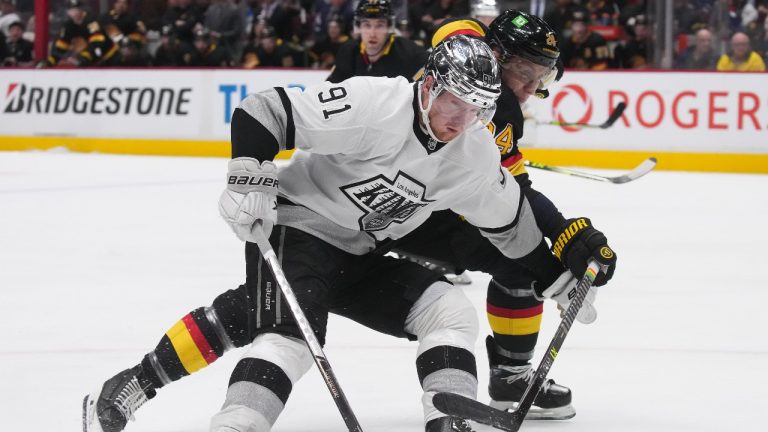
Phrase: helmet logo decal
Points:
(519, 21)
(551, 39)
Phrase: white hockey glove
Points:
(249, 202)
(560, 291)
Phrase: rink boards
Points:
(690, 120)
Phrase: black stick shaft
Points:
(554, 347)
(612, 117)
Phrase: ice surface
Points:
(100, 255)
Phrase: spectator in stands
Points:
(339, 10)
(584, 49)
(633, 8)
(756, 27)
(8, 15)
(702, 55)
(741, 58)
(267, 50)
(439, 11)
(225, 21)
(279, 15)
(18, 51)
(559, 17)
(182, 17)
(637, 52)
(3, 48)
(170, 52)
(132, 54)
(120, 23)
(324, 50)
(206, 51)
(81, 41)
(602, 12)
(691, 16)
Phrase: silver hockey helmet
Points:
(467, 68)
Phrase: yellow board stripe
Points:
(130, 146)
(675, 161)
(515, 326)
(186, 348)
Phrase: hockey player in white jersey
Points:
(375, 157)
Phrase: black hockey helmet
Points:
(517, 33)
(381, 9)
(75, 4)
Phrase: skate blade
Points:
(90, 420)
(537, 413)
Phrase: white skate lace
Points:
(523, 373)
(130, 398)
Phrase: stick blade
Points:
(470, 409)
(644, 168)
(617, 112)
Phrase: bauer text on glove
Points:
(249, 202)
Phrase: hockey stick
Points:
(309, 336)
(615, 114)
(644, 168)
(464, 407)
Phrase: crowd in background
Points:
(593, 34)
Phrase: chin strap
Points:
(425, 111)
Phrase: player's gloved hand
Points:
(560, 291)
(249, 202)
(577, 243)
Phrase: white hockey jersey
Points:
(364, 170)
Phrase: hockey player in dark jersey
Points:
(527, 49)
(82, 41)
(375, 158)
(120, 23)
(378, 51)
(585, 49)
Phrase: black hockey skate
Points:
(507, 385)
(448, 424)
(109, 408)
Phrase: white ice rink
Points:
(100, 255)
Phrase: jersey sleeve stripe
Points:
(465, 27)
(510, 225)
(290, 128)
(250, 138)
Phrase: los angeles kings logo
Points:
(384, 201)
